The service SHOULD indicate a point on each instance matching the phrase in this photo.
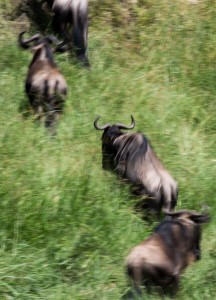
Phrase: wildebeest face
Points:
(108, 148)
(110, 133)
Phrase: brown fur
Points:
(163, 256)
(45, 85)
(132, 157)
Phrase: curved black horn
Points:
(181, 212)
(62, 47)
(122, 126)
(205, 209)
(24, 43)
(52, 39)
(102, 127)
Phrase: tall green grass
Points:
(67, 225)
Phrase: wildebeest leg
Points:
(80, 31)
(174, 288)
(197, 251)
(31, 97)
(60, 27)
(147, 205)
(169, 199)
(65, 45)
(174, 199)
(54, 108)
(50, 122)
(35, 107)
(50, 119)
(50, 113)
(170, 289)
(84, 28)
(136, 276)
(33, 101)
(65, 34)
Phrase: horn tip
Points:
(21, 33)
(97, 117)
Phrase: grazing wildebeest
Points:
(45, 86)
(161, 258)
(132, 157)
(75, 14)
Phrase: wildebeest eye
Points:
(106, 139)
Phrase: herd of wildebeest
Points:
(175, 243)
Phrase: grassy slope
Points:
(66, 225)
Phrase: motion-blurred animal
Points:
(161, 258)
(132, 157)
(71, 21)
(45, 86)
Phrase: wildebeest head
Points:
(110, 133)
(40, 47)
(189, 216)
(192, 220)
(37, 42)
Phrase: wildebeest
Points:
(161, 258)
(45, 86)
(132, 157)
(75, 14)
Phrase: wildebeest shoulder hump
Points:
(132, 146)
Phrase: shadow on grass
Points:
(24, 109)
(150, 291)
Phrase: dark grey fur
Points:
(133, 158)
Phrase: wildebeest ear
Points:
(189, 214)
(199, 219)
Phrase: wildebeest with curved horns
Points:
(132, 157)
(162, 257)
(45, 86)
(75, 14)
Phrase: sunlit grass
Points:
(67, 225)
